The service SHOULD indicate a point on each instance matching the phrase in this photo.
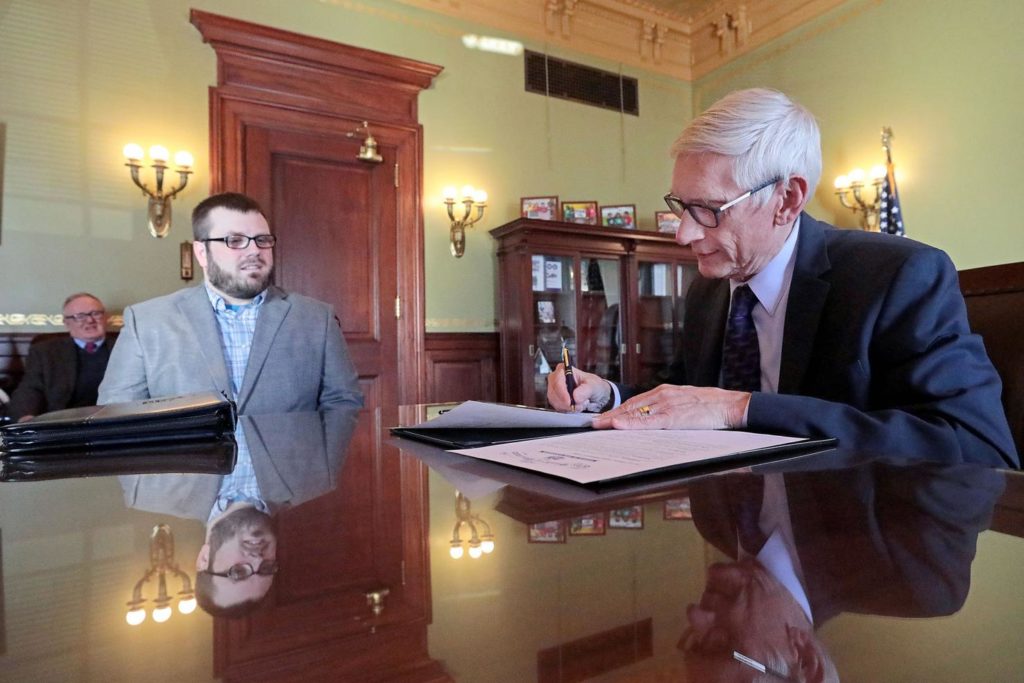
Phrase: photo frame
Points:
(631, 517)
(619, 216)
(546, 532)
(678, 508)
(186, 260)
(546, 312)
(588, 525)
(539, 208)
(584, 213)
(666, 221)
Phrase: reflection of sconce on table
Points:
(478, 543)
(161, 560)
(159, 210)
(471, 199)
(368, 149)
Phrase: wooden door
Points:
(349, 233)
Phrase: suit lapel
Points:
(195, 307)
(807, 296)
(67, 372)
(272, 314)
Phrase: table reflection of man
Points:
(235, 567)
(872, 539)
(284, 460)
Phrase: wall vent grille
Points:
(570, 81)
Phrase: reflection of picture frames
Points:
(584, 213)
(546, 532)
(588, 525)
(666, 221)
(627, 518)
(620, 216)
(540, 208)
(678, 508)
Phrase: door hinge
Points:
(396, 174)
(398, 308)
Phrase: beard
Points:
(242, 519)
(240, 285)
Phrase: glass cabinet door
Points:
(600, 319)
(660, 307)
(554, 318)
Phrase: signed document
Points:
(601, 456)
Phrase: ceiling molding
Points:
(648, 34)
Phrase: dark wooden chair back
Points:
(995, 309)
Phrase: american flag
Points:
(890, 214)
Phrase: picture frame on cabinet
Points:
(631, 517)
(588, 525)
(619, 216)
(539, 208)
(546, 532)
(666, 221)
(584, 213)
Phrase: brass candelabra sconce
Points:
(479, 543)
(159, 207)
(874, 212)
(472, 199)
(368, 149)
(161, 561)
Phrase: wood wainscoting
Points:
(13, 350)
(462, 366)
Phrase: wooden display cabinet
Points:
(613, 297)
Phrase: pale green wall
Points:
(80, 79)
(947, 76)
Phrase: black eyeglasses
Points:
(243, 570)
(82, 317)
(708, 216)
(242, 241)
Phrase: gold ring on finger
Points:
(645, 410)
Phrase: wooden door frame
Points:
(279, 68)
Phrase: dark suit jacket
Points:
(874, 539)
(876, 351)
(49, 381)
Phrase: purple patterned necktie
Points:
(741, 354)
(90, 347)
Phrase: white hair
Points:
(767, 134)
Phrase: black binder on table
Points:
(456, 437)
(176, 419)
(204, 457)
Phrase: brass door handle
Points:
(375, 600)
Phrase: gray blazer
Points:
(171, 345)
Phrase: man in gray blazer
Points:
(270, 350)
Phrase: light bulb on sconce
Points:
(161, 564)
(159, 205)
(472, 198)
(478, 544)
(135, 616)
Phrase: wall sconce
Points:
(161, 561)
(850, 188)
(470, 198)
(367, 150)
(159, 201)
(478, 543)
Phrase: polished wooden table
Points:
(910, 570)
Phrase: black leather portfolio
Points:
(203, 457)
(176, 419)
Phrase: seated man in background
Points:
(65, 372)
(830, 333)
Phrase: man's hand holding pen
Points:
(591, 393)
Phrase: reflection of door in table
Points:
(280, 134)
